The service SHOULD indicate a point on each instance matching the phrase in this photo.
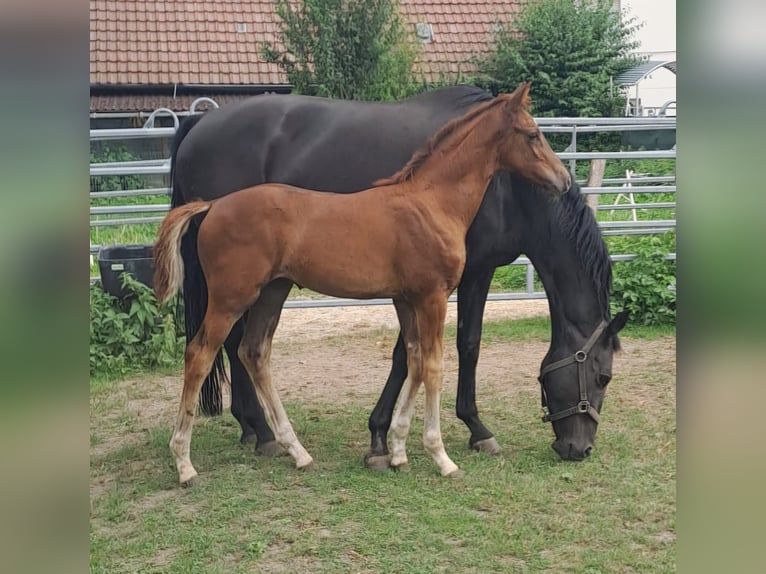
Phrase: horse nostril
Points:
(588, 451)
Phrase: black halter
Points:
(579, 358)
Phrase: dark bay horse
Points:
(344, 146)
(403, 239)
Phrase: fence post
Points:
(595, 179)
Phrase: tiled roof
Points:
(150, 102)
(186, 42)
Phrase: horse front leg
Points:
(431, 327)
(255, 354)
(471, 300)
(377, 458)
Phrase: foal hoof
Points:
(189, 481)
(455, 474)
(270, 449)
(404, 467)
(488, 445)
(308, 467)
(377, 462)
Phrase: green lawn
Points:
(521, 511)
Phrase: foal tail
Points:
(168, 264)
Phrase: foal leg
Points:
(198, 360)
(255, 354)
(430, 316)
(402, 419)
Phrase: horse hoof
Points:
(248, 439)
(270, 449)
(307, 467)
(378, 462)
(404, 467)
(488, 445)
(455, 474)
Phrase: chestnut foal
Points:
(403, 239)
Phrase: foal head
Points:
(524, 150)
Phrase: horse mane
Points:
(437, 140)
(575, 218)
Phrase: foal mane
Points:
(575, 218)
(435, 142)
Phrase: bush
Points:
(348, 49)
(133, 333)
(646, 286)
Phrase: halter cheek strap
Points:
(578, 358)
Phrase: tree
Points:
(570, 51)
(350, 49)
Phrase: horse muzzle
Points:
(568, 450)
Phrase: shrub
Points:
(134, 332)
(646, 286)
(348, 49)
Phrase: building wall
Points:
(657, 39)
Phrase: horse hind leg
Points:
(198, 360)
(255, 354)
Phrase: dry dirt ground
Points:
(343, 354)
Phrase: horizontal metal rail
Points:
(608, 207)
(598, 121)
(328, 301)
(162, 167)
(126, 221)
(647, 223)
(604, 129)
(634, 189)
(657, 154)
(130, 168)
(130, 193)
(642, 179)
(131, 133)
(117, 209)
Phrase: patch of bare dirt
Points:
(344, 354)
(330, 321)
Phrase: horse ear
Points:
(617, 323)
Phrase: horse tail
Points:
(168, 263)
(194, 286)
(176, 197)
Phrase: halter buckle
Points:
(580, 356)
(583, 406)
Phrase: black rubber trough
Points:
(113, 261)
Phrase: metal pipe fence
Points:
(108, 212)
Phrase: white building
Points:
(652, 86)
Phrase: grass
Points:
(523, 511)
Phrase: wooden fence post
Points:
(595, 179)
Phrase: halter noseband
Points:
(578, 358)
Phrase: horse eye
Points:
(603, 379)
(534, 136)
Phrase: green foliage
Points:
(132, 333)
(349, 49)
(646, 285)
(115, 182)
(569, 51)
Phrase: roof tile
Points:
(164, 42)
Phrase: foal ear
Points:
(520, 97)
